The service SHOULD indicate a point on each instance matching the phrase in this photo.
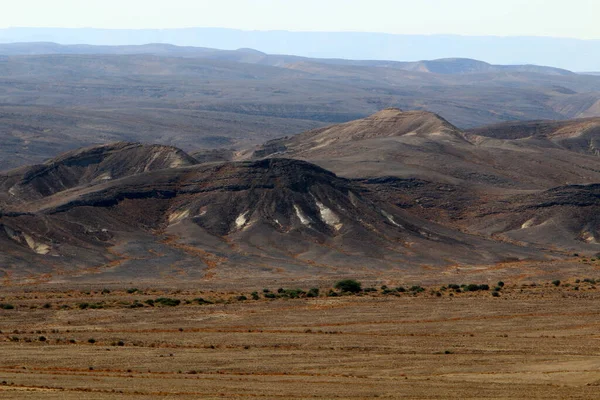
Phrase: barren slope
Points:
(224, 219)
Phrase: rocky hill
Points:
(160, 213)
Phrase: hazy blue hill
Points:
(446, 66)
(572, 54)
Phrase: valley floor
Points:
(529, 342)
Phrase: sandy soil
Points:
(530, 342)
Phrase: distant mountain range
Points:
(446, 66)
(572, 54)
(60, 97)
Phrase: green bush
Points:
(400, 289)
(475, 288)
(242, 298)
(201, 301)
(293, 293)
(313, 292)
(349, 285)
(270, 296)
(501, 284)
(556, 282)
(417, 289)
(168, 302)
(5, 306)
(255, 296)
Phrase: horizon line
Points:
(306, 31)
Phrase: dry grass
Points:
(531, 342)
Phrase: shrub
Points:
(349, 285)
(200, 300)
(417, 289)
(475, 288)
(496, 294)
(105, 291)
(91, 340)
(135, 304)
(556, 282)
(242, 298)
(5, 306)
(165, 301)
(83, 306)
(369, 290)
(501, 284)
(132, 290)
(270, 296)
(454, 286)
(255, 296)
(313, 292)
(150, 302)
(331, 293)
(47, 305)
(471, 288)
(42, 338)
(400, 289)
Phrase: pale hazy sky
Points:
(559, 18)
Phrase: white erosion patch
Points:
(353, 198)
(178, 216)
(12, 191)
(588, 237)
(12, 234)
(39, 248)
(152, 159)
(528, 224)
(303, 219)
(241, 220)
(178, 162)
(329, 217)
(105, 177)
(391, 219)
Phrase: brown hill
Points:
(579, 135)
(229, 219)
(88, 166)
(564, 217)
(459, 179)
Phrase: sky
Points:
(555, 18)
